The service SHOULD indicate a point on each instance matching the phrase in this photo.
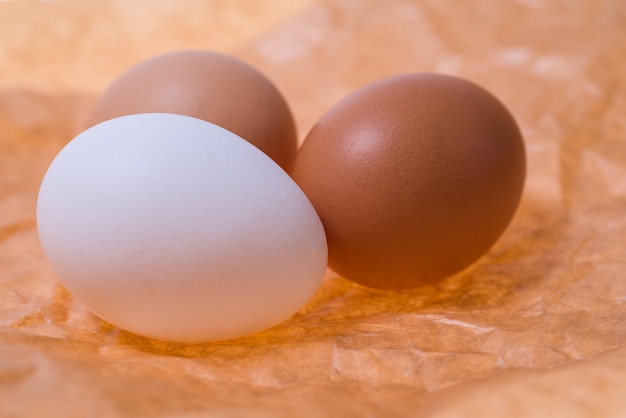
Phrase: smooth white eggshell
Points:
(176, 229)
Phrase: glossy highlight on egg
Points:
(414, 178)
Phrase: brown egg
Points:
(414, 177)
(210, 86)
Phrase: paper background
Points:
(549, 298)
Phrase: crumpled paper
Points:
(545, 305)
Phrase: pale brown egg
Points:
(209, 86)
(414, 177)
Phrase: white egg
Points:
(176, 229)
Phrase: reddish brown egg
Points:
(210, 86)
(414, 177)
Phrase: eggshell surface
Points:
(176, 229)
(207, 85)
(414, 177)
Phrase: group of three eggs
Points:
(186, 213)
